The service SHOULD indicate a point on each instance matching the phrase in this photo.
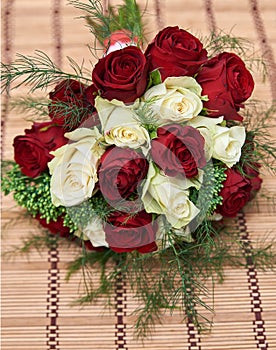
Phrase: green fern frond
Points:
(127, 16)
(37, 71)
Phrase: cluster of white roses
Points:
(177, 100)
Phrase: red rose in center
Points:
(120, 172)
(178, 150)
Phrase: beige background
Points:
(36, 311)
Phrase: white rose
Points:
(177, 99)
(121, 126)
(207, 127)
(74, 167)
(227, 144)
(166, 195)
(95, 233)
(221, 142)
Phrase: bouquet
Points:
(141, 161)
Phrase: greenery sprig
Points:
(37, 109)
(172, 279)
(102, 24)
(38, 71)
(32, 107)
(32, 194)
(260, 145)
(207, 198)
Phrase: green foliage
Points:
(36, 109)
(38, 71)
(260, 146)
(179, 278)
(207, 198)
(101, 261)
(31, 107)
(102, 25)
(32, 194)
(40, 241)
(154, 78)
(215, 43)
(166, 280)
(147, 117)
(83, 213)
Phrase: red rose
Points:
(122, 74)
(55, 227)
(252, 171)
(127, 232)
(120, 172)
(227, 83)
(31, 151)
(178, 149)
(235, 193)
(175, 52)
(71, 99)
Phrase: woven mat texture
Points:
(36, 301)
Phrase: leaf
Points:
(154, 78)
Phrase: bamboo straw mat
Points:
(36, 301)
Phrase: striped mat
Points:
(37, 310)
